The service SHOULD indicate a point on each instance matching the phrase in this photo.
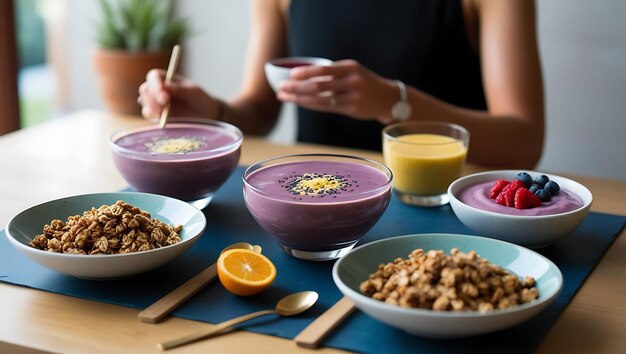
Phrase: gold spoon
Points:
(290, 305)
(171, 69)
(155, 312)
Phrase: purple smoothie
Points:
(188, 161)
(477, 196)
(317, 205)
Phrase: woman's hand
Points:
(186, 97)
(346, 87)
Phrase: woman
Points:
(470, 62)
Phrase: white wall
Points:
(583, 47)
(583, 52)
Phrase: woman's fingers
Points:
(314, 86)
(156, 86)
(346, 87)
(150, 108)
(328, 102)
(338, 69)
(153, 95)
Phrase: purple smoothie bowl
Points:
(534, 228)
(192, 170)
(312, 220)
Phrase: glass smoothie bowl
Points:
(189, 159)
(317, 206)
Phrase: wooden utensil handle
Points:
(312, 335)
(155, 312)
(171, 69)
(173, 343)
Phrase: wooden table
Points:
(70, 155)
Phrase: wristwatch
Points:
(401, 110)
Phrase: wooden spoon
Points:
(162, 307)
(314, 333)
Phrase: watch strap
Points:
(402, 88)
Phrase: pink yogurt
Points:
(477, 196)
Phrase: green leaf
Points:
(175, 32)
(139, 25)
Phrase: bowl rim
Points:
(176, 121)
(30, 249)
(403, 311)
(464, 133)
(311, 60)
(366, 194)
(452, 195)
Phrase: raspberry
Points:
(507, 195)
(525, 199)
(497, 188)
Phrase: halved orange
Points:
(245, 272)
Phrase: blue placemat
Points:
(229, 221)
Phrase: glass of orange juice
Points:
(425, 157)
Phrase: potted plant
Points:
(134, 36)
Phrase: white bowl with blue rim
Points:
(354, 268)
(532, 231)
(23, 227)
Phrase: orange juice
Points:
(424, 164)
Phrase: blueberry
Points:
(543, 195)
(541, 180)
(534, 187)
(552, 188)
(524, 178)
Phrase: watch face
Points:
(401, 111)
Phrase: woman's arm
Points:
(513, 85)
(255, 109)
(510, 133)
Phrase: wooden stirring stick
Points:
(162, 307)
(313, 334)
(155, 312)
(171, 69)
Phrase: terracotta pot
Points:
(120, 73)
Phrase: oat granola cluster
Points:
(458, 282)
(110, 229)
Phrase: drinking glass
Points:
(425, 158)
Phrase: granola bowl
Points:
(96, 243)
(353, 269)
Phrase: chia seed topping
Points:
(316, 184)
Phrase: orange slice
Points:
(245, 272)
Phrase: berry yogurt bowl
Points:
(189, 159)
(317, 206)
(528, 208)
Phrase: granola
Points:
(456, 282)
(110, 229)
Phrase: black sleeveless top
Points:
(421, 42)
